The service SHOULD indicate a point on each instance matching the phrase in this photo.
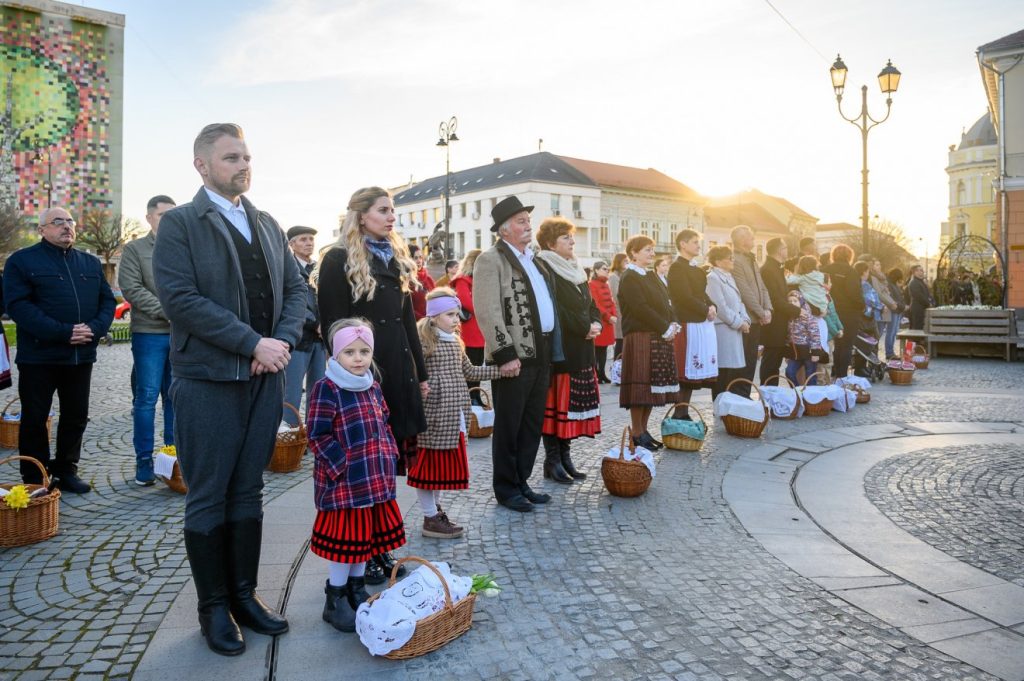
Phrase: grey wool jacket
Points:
(135, 277)
(199, 283)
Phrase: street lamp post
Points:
(888, 80)
(446, 135)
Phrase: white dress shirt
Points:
(235, 215)
(545, 307)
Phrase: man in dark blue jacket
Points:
(62, 304)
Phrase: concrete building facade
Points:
(973, 167)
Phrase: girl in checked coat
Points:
(441, 462)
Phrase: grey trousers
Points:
(225, 432)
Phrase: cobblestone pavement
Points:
(965, 503)
(666, 586)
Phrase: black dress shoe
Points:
(387, 563)
(374, 573)
(72, 483)
(537, 497)
(646, 441)
(517, 503)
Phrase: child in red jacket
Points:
(353, 471)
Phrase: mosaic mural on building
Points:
(60, 83)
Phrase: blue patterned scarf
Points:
(382, 249)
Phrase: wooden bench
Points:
(975, 333)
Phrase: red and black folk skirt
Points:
(648, 371)
(440, 468)
(355, 535)
(573, 406)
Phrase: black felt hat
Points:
(505, 209)
(299, 230)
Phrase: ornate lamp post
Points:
(888, 80)
(446, 135)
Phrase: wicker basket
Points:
(474, 428)
(796, 407)
(289, 448)
(625, 478)
(920, 350)
(900, 376)
(823, 408)
(36, 522)
(436, 630)
(9, 429)
(863, 396)
(678, 441)
(738, 426)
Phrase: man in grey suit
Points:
(236, 302)
(755, 298)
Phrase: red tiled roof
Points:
(626, 177)
(752, 195)
(750, 214)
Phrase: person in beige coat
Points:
(755, 298)
(732, 323)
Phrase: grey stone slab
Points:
(938, 577)
(940, 427)
(838, 564)
(996, 651)
(1002, 603)
(843, 583)
(903, 605)
(929, 633)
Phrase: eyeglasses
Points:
(61, 222)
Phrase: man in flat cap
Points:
(309, 358)
(521, 335)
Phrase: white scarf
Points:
(345, 379)
(444, 335)
(636, 268)
(569, 270)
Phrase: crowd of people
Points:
(232, 317)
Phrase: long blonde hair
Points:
(427, 327)
(357, 270)
(468, 261)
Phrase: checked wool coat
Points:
(449, 369)
(354, 452)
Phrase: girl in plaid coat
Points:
(441, 462)
(353, 471)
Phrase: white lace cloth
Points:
(163, 465)
(484, 417)
(701, 351)
(615, 372)
(389, 622)
(641, 454)
(858, 381)
(845, 403)
(813, 394)
(781, 399)
(731, 404)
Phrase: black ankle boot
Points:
(244, 538)
(207, 560)
(338, 611)
(553, 461)
(567, 461)
(357, 594)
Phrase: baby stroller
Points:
(865, 357)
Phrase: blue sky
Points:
(721, 95)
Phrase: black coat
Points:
(644, 303)
(687, 289)
(311, 325)
(396, 344)
(846, 291)
(576, 312)
(920, 300)
(774, 335)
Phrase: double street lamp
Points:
(888, 80)
(446, 135)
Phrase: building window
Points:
(673, 230)
(462, 209)
(556, 204)
(577, 210)
(462, 243)
(645, 228)
(423, 215)
(961, 193)
(623, 231)
(603, 236)
(437, 215)
(494, 202)
(656, 233)
(961, 229)
(476, 209)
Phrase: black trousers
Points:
(518, 417)
(601, 357)
(750, 342)
(36, 386)
(476, 356)
(725, 377)
(844, 345)
(771, 364)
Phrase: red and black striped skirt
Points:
(355, 535)
(440, 468)
(573, 406)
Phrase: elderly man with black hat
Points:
(513, 297)
(309, 357)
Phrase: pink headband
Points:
(345, 337)
(441, 304)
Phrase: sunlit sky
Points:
(723, 95)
